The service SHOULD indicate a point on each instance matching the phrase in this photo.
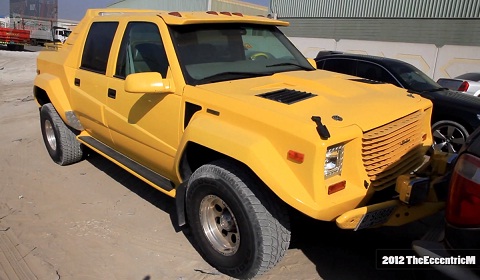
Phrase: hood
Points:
(455, 97)
(340, 100)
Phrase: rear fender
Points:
(55, 92)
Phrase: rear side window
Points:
(374, 72)
(97, 47)
(344, 66)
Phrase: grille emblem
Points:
(404, 141)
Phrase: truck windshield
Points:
(217, 52)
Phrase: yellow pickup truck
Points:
(220, 111)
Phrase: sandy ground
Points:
(93, 220)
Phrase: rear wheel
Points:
(239, 227)
(60, 141)
(448, 136)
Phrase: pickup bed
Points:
(223, 113)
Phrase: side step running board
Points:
(141, 170)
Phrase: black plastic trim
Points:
(141, 170)
(213, 112)
(112, 93)
(287, 96)
(190, 110)
(180, 203)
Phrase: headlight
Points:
(333, 161)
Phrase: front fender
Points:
(56, 93)
(256, 152)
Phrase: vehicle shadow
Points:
(137, 186)
(26, 49)
(347, 254)
(146, 192)
(336, 253)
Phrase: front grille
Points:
(287, 96)
(393, 149)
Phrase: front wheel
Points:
(240, 228)
(448, 136)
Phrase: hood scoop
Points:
(287, 96)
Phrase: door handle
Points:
(112, 93)
(77, 82)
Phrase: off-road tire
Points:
(60, 141)
(240, 228)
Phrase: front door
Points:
(143, 126)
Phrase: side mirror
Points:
(312, 62)
(148, 82)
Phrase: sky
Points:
(74, 10)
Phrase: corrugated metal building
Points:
(438, 36)
(194, 5)
(439, 22)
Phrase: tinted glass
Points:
(213, 52)
(142, 50)
(98, 45)
(374, 72)
(344, 66)
(412, 78)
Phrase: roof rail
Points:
(113, 11)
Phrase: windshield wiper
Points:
(231, 75)
(289, 64)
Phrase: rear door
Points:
(90, 90)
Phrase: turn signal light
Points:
(295, 156)
(337, 187)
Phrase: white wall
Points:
(437, 62)
(4, 22)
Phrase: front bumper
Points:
(419, 195)
(389, 213)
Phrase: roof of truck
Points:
(181, 18)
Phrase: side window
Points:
(320, 64)
(344, 66)
(142, 50)
(374, 72)
(98, 45)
